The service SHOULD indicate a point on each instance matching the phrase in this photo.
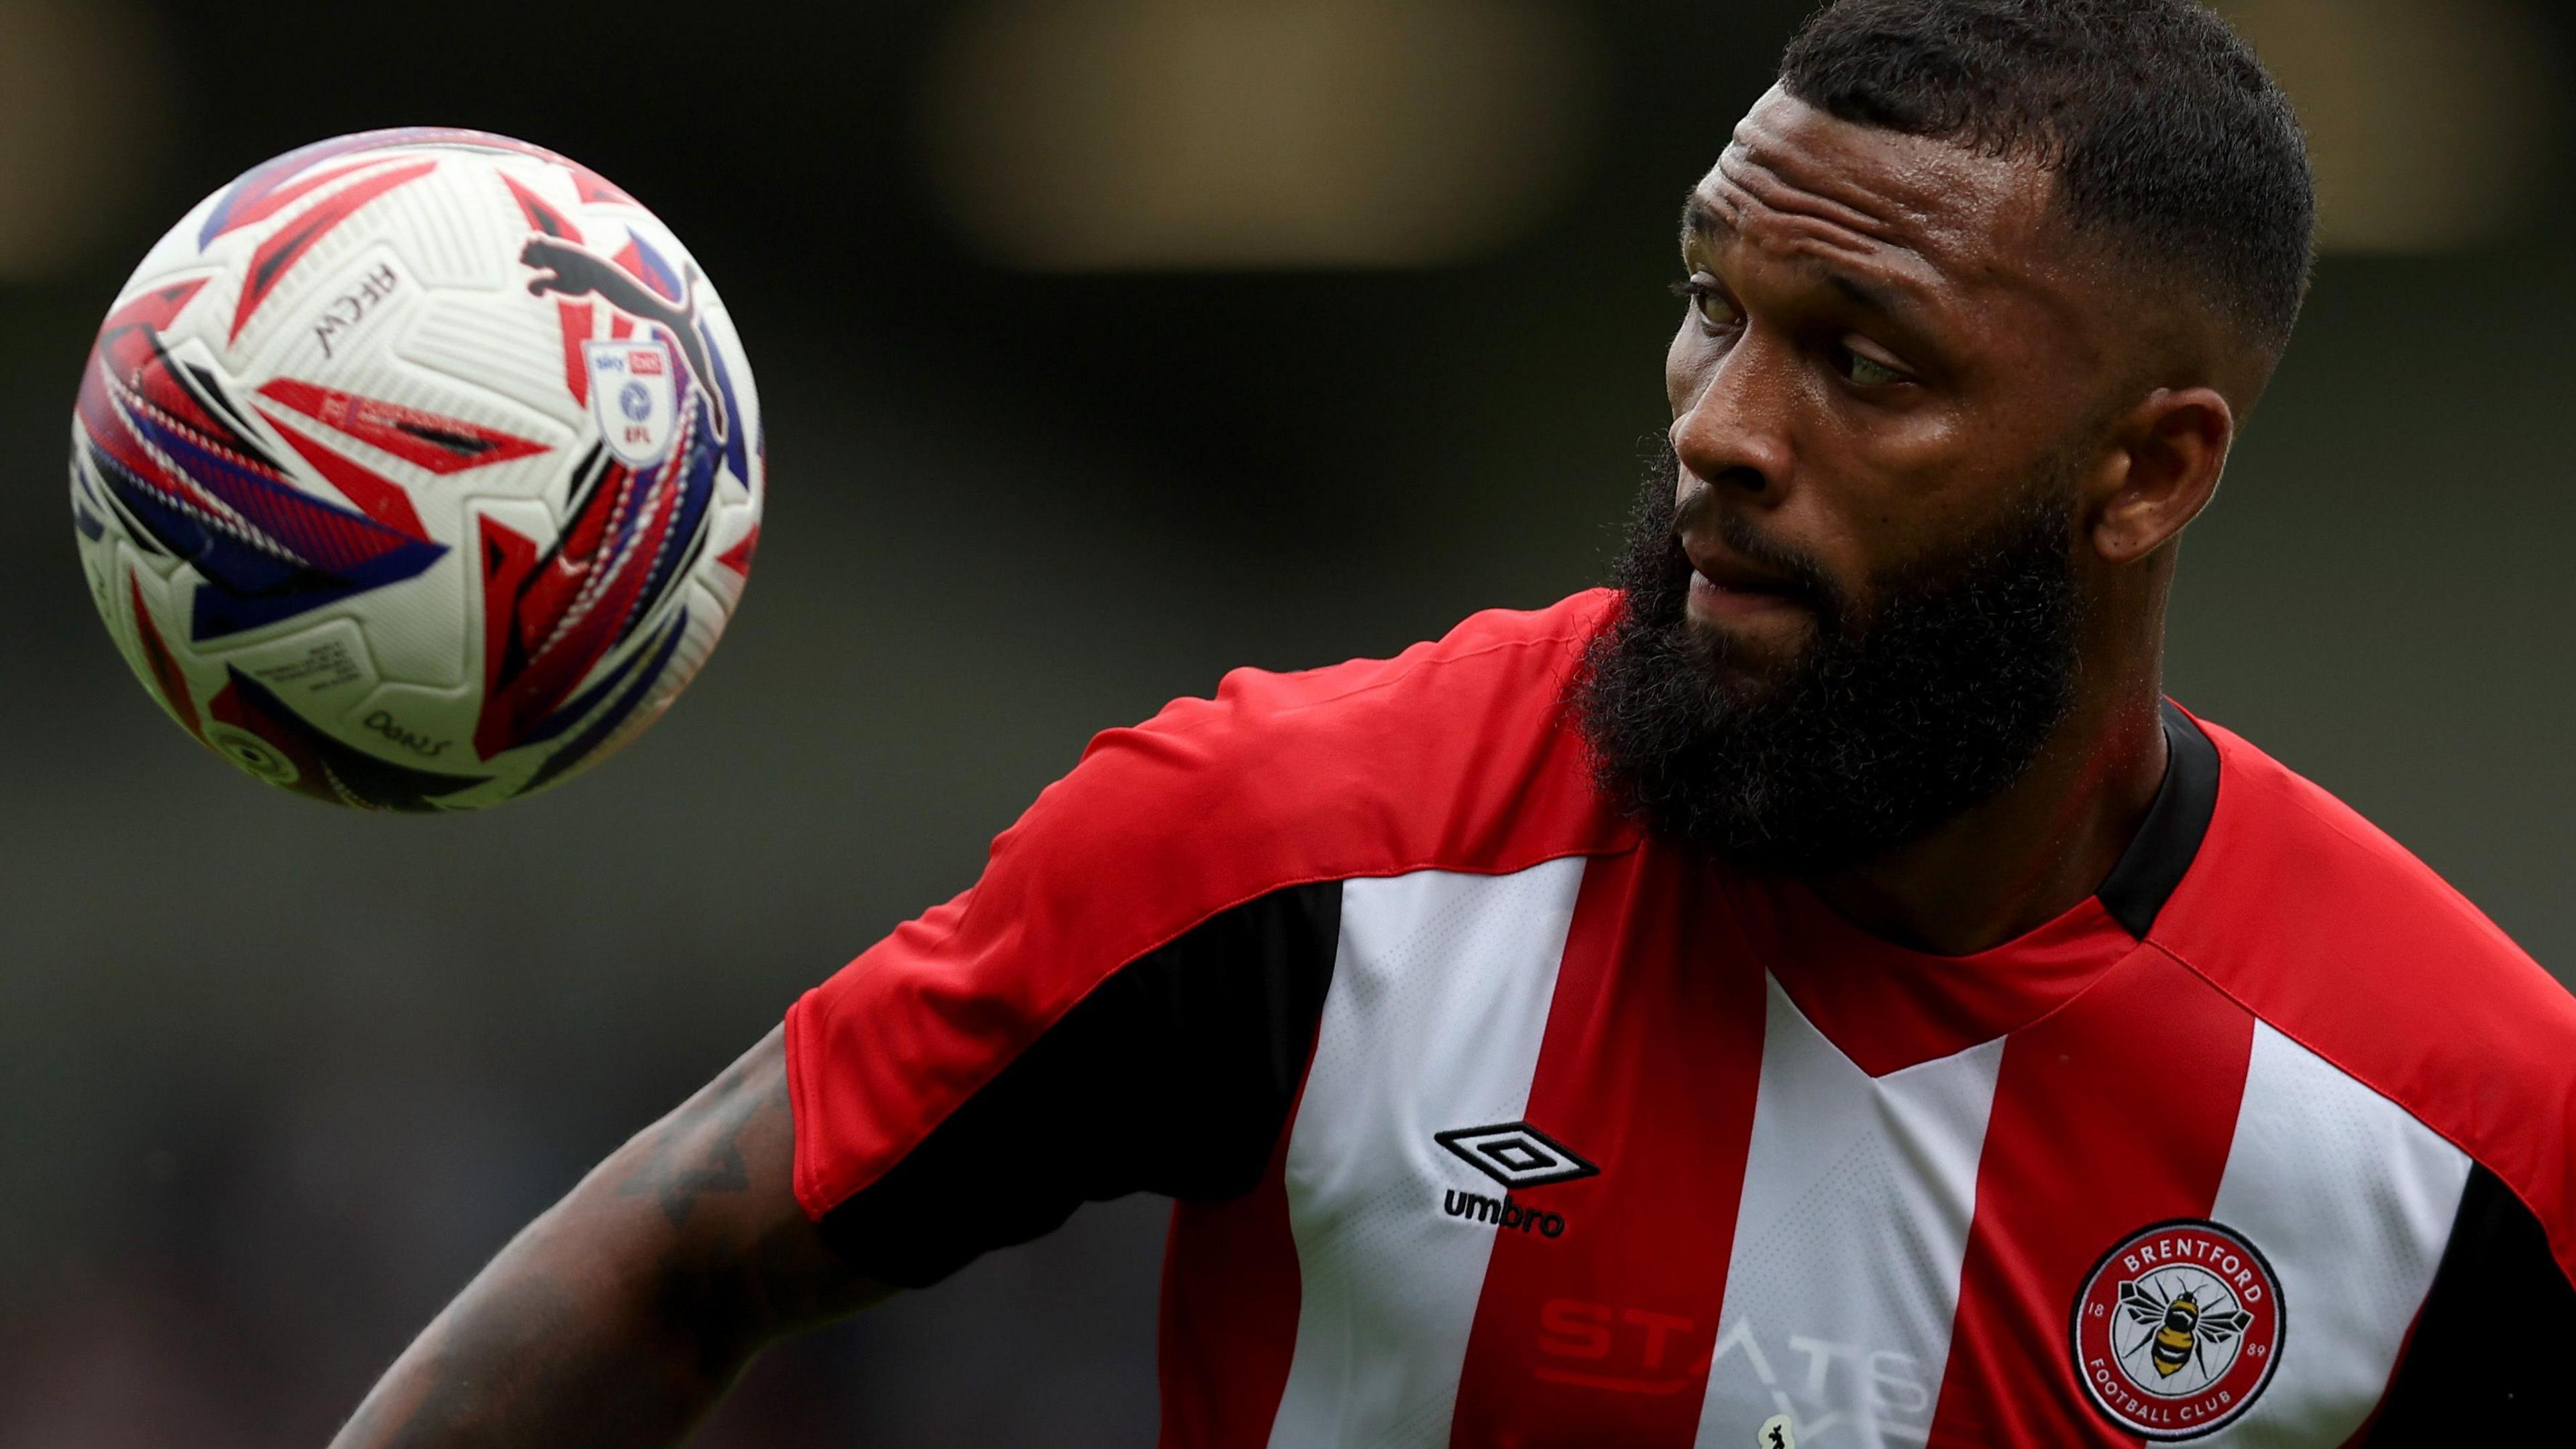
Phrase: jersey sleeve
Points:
(1174, 1076)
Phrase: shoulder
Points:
(2339, 938)
(1453, 755)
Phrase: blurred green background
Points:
(1107, 344)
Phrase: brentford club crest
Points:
(2177, 1329)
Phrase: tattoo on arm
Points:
(683, 1167)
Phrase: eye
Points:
(1865, 371)
(1716, 310)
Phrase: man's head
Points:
(1976, 299)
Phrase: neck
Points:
(2026, 856)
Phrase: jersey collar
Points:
(2136, 890)
(1889, 1007)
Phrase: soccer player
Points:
(1814, 993)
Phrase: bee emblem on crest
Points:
(2182, 1329)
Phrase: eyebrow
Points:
(1699, 219)
(1702, 220)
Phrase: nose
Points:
(1733, 431)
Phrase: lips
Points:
(1724, 569)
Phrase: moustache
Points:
(1802, 577)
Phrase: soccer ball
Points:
(417, 470)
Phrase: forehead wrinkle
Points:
(1750, 181)
(1815, 235)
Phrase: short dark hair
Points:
(2168, 138)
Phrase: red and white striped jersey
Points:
(1491, 1122)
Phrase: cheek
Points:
(1902, 480)
(1873, 509)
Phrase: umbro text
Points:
(1501, 1212)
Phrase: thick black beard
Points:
(1888, 724)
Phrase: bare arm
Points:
(623, 1313)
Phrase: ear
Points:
(2171, 449)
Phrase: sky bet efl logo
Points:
(633, 396)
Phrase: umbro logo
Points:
(1515, 1154)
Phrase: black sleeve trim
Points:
(2167, 840)
(1173, 1076)
(2489, 1357)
